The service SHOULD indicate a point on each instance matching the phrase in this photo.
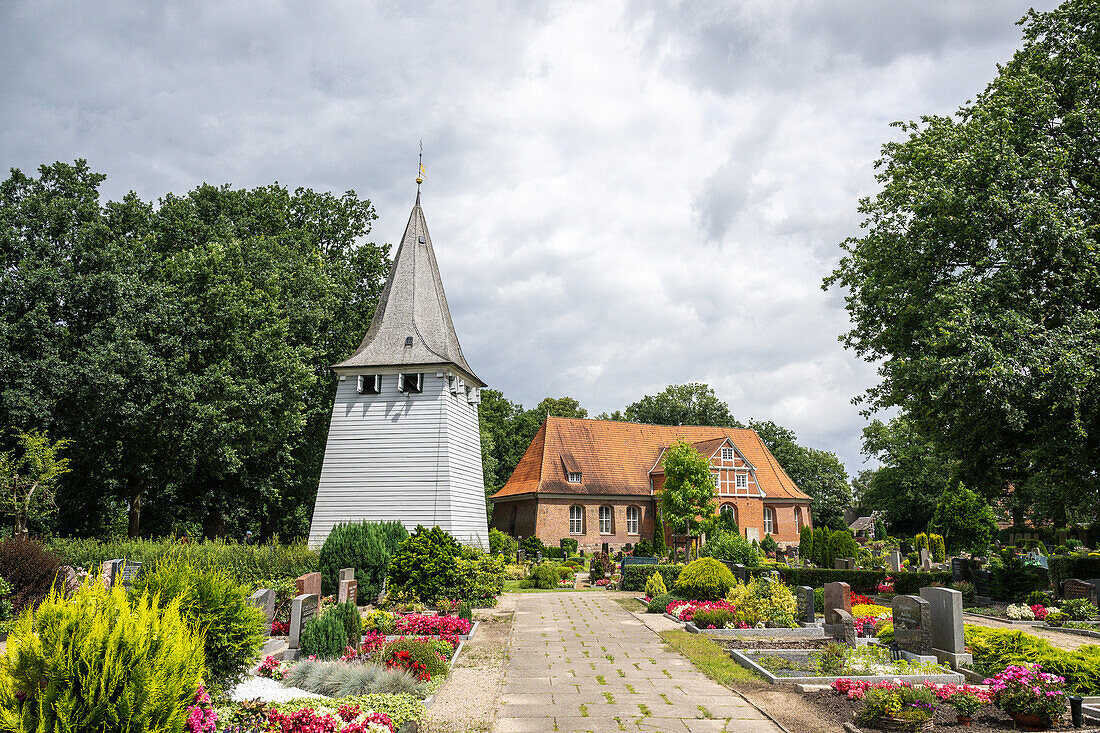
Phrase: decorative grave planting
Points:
(868, 662)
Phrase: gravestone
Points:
(912, 624)
(126, 572)
(264, 599)
(520, 555)
(348, 587)
(925, 560)
(982, 579)
(741, 572)
(841, 563)
(107, 573)
(837, 598)
(1073, 589)
(844, 630)
(605, 548)
(947, 619)
(67, 576)
(303, 609)
(309, 584)
(806, 614)
(960, 570)
(752, 533)
(895, 561)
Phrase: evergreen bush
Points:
(99, 662)
(768, 545)
(732, 547)
(348, 613)
(806, 544)
(426, 565)
(660, 548)
(211, 603)
(569, 545)
(655, 586)
(543, 576)
(920, 542)
(502, 544)
(658, 604)
(643, 549)
(324, 637)
(531, 546)
(636, 576)
(705, 579)
(366, 546)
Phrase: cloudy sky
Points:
(622, 195)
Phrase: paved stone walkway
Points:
(580, 662)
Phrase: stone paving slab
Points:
(580, 662)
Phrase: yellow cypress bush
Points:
(98, 662)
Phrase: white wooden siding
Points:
(411, 458)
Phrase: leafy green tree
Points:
(912, 476)
(688, 493)
(28, 477)
(682, 404)
(974, 285)
(965, 521)
(818, 473)
(510, 430)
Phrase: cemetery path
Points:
(580, 662)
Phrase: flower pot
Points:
(1028, 721)
(888, 723)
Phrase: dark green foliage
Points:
(1038, 597)
(660, 603)
(554, 553)
(29, 568)
(324, 637)
(570, 545)
(731, 548)
(348, 613)
(862, 581)
(841, 544)
(1079, 609)
(253, 565)
(366, 546)
(660, 548)
(431, 565)
(936, 548)
(502, 544)
(821, 547)
(213, 605)
(819, 600)
(682, 404)
(1082, 567)
(465, 612)
(913, 558)
(880, 529)
(806, 543)
(768, 545)
(705, 579)
(643, 549)
(967, 590)
(600, 566)
(965, 520)
(718, 618)
(688, 490)
(1013, 580)
(99, 662)
(635, 576)
(531, 546)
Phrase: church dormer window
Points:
(411, 383)
(727, 453)
(574, 477)
(369, 384)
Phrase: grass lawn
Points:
(512, 586)
(708, 657)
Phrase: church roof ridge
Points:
(412, 322)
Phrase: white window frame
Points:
(363, 380)
(742, 481)
(633, 519)
(403, 387)
(608, 520)
(727, 453)
(576, 519)
(769, 520)
(573, 477)
(715, 476)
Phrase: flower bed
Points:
(686, 610)
(426, 625)
(822, 666)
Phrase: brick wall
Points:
(553, 521)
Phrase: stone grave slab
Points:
(303, 609)
(309, 584)
(912, 624)
(806, 614)
(838, 596)
(1073, 588)
(264, 599)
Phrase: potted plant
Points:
(898, 709)
(965, 704)
(1033, 698)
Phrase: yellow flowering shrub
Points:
(763, 601)
(864, 610)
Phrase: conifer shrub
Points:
(655, 586)
(348, 613)
(732, 547)
(806, 543)
(543, 576)
(658, 604)
(215, 607)
(366, 546)
(937, 548)
(569, 545)
(99, 662)
(324, 637)
(502, 544)
(29, 568)
(705, 579)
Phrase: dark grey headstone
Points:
(806, 612)
(960, 570)
(982, 579)
(947, 620)
(912, 624)
(895, 561)
(840, 564)
(1073, 589)
(844, 628)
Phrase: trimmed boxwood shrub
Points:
(1082, 567)
(366, 546)
(995, 649)
(660, 603)
(862, 581)
(325, 637)
(705, 579)
(635, 576)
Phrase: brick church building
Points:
(597, 480)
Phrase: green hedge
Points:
(635, 576)
(247, 564)
(863, 581)
(1081, 567)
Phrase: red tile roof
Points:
(616, 457)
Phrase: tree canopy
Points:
(687, 497)
(681, 404)
(183, 346)
(976, 282)
(964, 520)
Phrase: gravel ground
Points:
(468, 700)
(267, 690)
